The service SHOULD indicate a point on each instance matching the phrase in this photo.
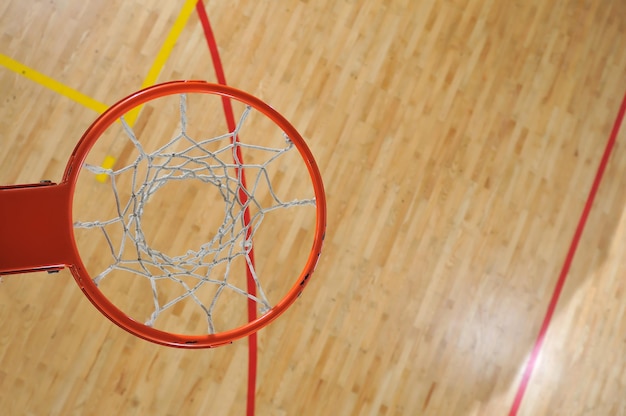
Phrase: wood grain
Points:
(458, 140)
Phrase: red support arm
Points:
(35, 228)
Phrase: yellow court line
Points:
(153, 73)
(89, 102)
(164, 53)
(151, 77)
(52, 84)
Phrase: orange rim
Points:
(100, 301)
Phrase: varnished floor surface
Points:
(458, 140)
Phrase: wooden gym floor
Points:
(459, 141)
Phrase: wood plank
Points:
(458, 140)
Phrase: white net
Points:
(183, 254)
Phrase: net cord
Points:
(233, 240)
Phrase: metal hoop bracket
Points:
(36, 228)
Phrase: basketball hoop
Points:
(179, 184)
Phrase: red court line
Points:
(530, 365)
(230, 122)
